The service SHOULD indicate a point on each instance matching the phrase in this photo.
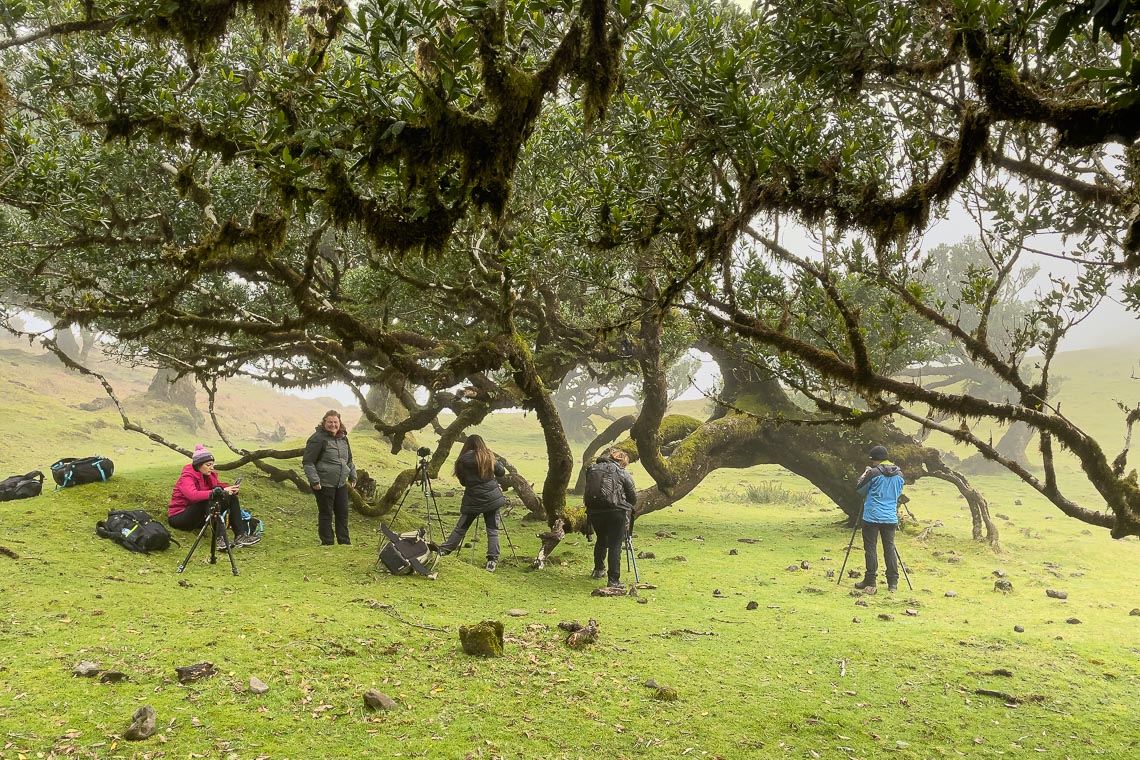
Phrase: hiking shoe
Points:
(220, 544)
(615, 584)
(246, 539)
(865, 584)
(492, 565)
(892, 587)
(598, 574)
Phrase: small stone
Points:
(1086, 532)
(951, 594)
(830, 573)
(516, 612)
(717, 593)
(792, 568)
(1000, 516)
(860, 602)
(1019, 629)
(885, 617)
(378, 700)
(999, 573)
(733, 552)
(853, 573)
(680, 558)
(1003, 586)
(650, 683)
(1073, 621)
(646, 555)
(1135, 612)
(112, 676)
(752, 606)
(196, 672)
(1054, 594)
(642, 600)
(85, 668)
(143, 724)
(954, 559)
(666, 694)
(804, 565)
(257, 686)
(1017, 502)
(910, 613)
(856, 620)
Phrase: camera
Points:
(423, 451)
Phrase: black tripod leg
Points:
(903, 566)
(849, 545)
(194, 546)
(220, 527)
(506, 535)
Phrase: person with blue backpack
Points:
(881, 484)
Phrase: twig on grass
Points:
(391, 610)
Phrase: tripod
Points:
(631, 556)
(902, 566)
(215, 521)
(503, 527)
(423, 480)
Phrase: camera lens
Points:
(423, 451)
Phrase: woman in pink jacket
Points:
(190, 503)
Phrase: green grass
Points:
(796, 677)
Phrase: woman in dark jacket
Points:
(477, 471)
(330, 471)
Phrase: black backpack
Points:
(135, 530)
(70, 471)
(604, 491)
(406, 553)
(22, 486)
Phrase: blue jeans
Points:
(872, 532)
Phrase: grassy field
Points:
(811, 672)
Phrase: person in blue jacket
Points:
(881, 484)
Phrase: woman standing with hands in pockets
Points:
(330, 471)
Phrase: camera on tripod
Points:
(422, 452)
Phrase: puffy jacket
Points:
(612, 491)
(881, 487)
(328, 459)
(479, 495)
(192, 486)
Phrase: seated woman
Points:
(190, 503)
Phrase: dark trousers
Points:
(872, 532)
(490, 519)
(610, 528)
(194, 516)
(332, 502)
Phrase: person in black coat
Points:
(478, 471)
(610, 498)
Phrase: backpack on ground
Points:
(253, 525)
(604, 488)
(70, 471)
(22, 486)
(406, 553)
(135, 530)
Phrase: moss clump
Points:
(484, 639)
(666, 694)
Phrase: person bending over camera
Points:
(610, 498)
(881, 484)
(478, 471)
(190, 503)
(328, 465)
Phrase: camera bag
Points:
(134, 530)
(22, 486)
(70, 471)
(406, 553)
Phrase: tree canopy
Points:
(483, 200)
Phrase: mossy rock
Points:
(666, 694)
(483, 639)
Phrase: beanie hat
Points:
(201, 454)
(878, 453)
